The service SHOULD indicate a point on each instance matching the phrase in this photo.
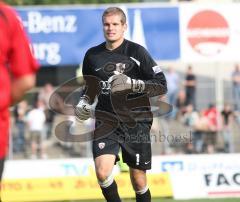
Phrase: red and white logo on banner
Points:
(208, 32)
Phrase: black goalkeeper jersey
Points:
(130, 59)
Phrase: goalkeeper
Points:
(127, 77)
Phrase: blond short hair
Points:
(115, 11)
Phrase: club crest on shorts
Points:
(101, 145)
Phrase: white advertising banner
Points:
(188, 185)
(17, 169)
(210, 32)
(50, 168)
(201, 176)
(222, 184)
(203, 163)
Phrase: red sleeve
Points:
(22, 61)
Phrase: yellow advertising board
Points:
(75, 188)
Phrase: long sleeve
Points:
(152, 75)
(92, 87)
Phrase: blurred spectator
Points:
(189, 148)
(214, 126)
(69, 126)
(20, 123)
(227, 117)
(45, 93)
(191, 119)
(181, 103)
(35, 120)
(173, 87)
(190, 87)
(237, 117)
(236, 87)
(200, 131)
(190, 116)
(44, 96)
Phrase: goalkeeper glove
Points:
(83, 109)
(121, 82)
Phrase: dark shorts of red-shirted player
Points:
(1, 167)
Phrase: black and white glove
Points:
(120, 83)
(83, 109)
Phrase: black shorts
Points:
(134, 142)
(1, 167)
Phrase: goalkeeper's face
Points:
(113, 28)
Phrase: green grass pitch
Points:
(171, 200)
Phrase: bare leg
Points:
(104, 165)
(139, 183)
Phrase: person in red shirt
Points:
(17, 70)
(214, 126)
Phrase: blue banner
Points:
(61, 36)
